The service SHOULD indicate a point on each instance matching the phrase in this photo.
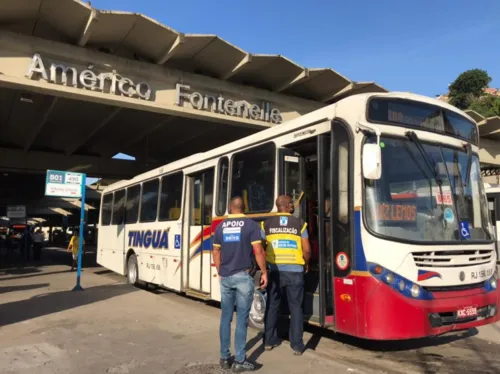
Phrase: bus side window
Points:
(119, 208)
(222, 184)
(149, 201)
(252, 177)
(132, 208)
(107, 208)
(343, 181)
(171, 197)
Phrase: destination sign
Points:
(396, 212)
(421, 115)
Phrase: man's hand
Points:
(306, 268)
(263, 280)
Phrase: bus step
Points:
(198, 294)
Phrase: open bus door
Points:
(318, 173)
(302, 168)
(494, 210)
(198, 255)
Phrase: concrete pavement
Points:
(112, 327)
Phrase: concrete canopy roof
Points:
(139, 37)
(489, 127)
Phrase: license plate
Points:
(468, 312)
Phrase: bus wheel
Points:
(132, 270)
(257, 310)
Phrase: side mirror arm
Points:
(370, 128)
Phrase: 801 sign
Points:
(55, 178)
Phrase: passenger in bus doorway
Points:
(288, 253)
(237, 239)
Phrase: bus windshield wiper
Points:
(418, 144)
(469, 164)
(414, 138)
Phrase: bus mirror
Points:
(372, 161)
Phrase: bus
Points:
(493, 196)
(390, 186)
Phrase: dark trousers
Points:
(37, 251)
(291, 283)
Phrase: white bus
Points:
(390, 187)
(493, 195)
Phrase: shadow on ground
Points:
(22, 288)
(41, 305)
(458, 352)
(13, 267)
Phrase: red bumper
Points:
(385, 314)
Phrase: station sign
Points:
(16, 212)
(108, 82)
(63, 184)
(219, 104)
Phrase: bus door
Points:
(343, 218)
(304, 173)
(118, 224)
(199, 255)
(494, 208)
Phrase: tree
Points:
(468, 86)
(486, 105)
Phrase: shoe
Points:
(239, 367)
(225, 363)
(270, 347)
(297, 353)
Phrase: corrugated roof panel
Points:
(136, 36)
(268, 71)
(320, 84)
(69, 17)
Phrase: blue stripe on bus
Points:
(359, 253)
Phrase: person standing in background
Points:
(73, 246)
(38, 239)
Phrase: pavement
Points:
(112, 327)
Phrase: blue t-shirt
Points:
(235, 237)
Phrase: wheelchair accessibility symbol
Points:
(464, 230)
(177, 241)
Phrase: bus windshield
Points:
(424, 195)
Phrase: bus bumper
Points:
(389, 315)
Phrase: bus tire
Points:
(132, 270)
(257, 310)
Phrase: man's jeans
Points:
(293, 284)
(236, 289)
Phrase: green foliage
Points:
(486, 105)
(468, 86)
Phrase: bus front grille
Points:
(462, 287)
(450, 259)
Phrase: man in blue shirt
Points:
(237, 239)
(288, 253)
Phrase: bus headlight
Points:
(493, 283)
(415, 290)
(389, 278)
(399, 283)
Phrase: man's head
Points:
(327, 207)
(236, 205)
(284, 204)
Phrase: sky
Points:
(418, 46)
